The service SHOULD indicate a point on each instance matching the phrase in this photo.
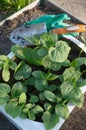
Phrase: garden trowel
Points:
(20, 35)
(51, 23)
(39, 25)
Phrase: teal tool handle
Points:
(52, 21)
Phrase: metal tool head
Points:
(18, 36)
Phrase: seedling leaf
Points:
(13, 109)
(62, 111)
(18, 51)
(6, 74)
(60, 52)
(17, 89)
(50, 96)
(22, 99)
(22, 71)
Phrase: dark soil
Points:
(77, 119)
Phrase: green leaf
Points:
(34, 40)
(22, 71)
(81, 82)
(44, 76)
(41, 85)
(61, 78)
(30, 81)
(47, 106)
(25, 110)
(52, 77)
(4, 99)
(33, 99)
(53, 121)
(52, 87)
(39, 74)
(28, 52)
(23, 115)
(76, 97)
(41, 96)
(3, 58)
(78, 62)
(71, 74)
(31, 115)
(72, 94)
(1, 64)
(43, 51)
(12, 65)
(29, 105)
(32, 56)
(4, 89)
(66, 88)
(46, 116)
(62, 111)
(66, 63)
(60, 52)
(47, 63)
(22, 98)
(50, 120)
(18, 89)
(37, 58)
(18, 51)
(13, 109)
(50, 96)
(6, 74)
(38, 108)
(59, 98)
(48, 39)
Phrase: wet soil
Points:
(77, 119)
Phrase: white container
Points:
(26, 124)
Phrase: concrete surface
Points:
(74, 7)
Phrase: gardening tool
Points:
(70, 29)
(18, 36)
(45, 23)
(52, 21)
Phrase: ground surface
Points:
(77, 119)
(75, 7)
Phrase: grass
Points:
(8, 7)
